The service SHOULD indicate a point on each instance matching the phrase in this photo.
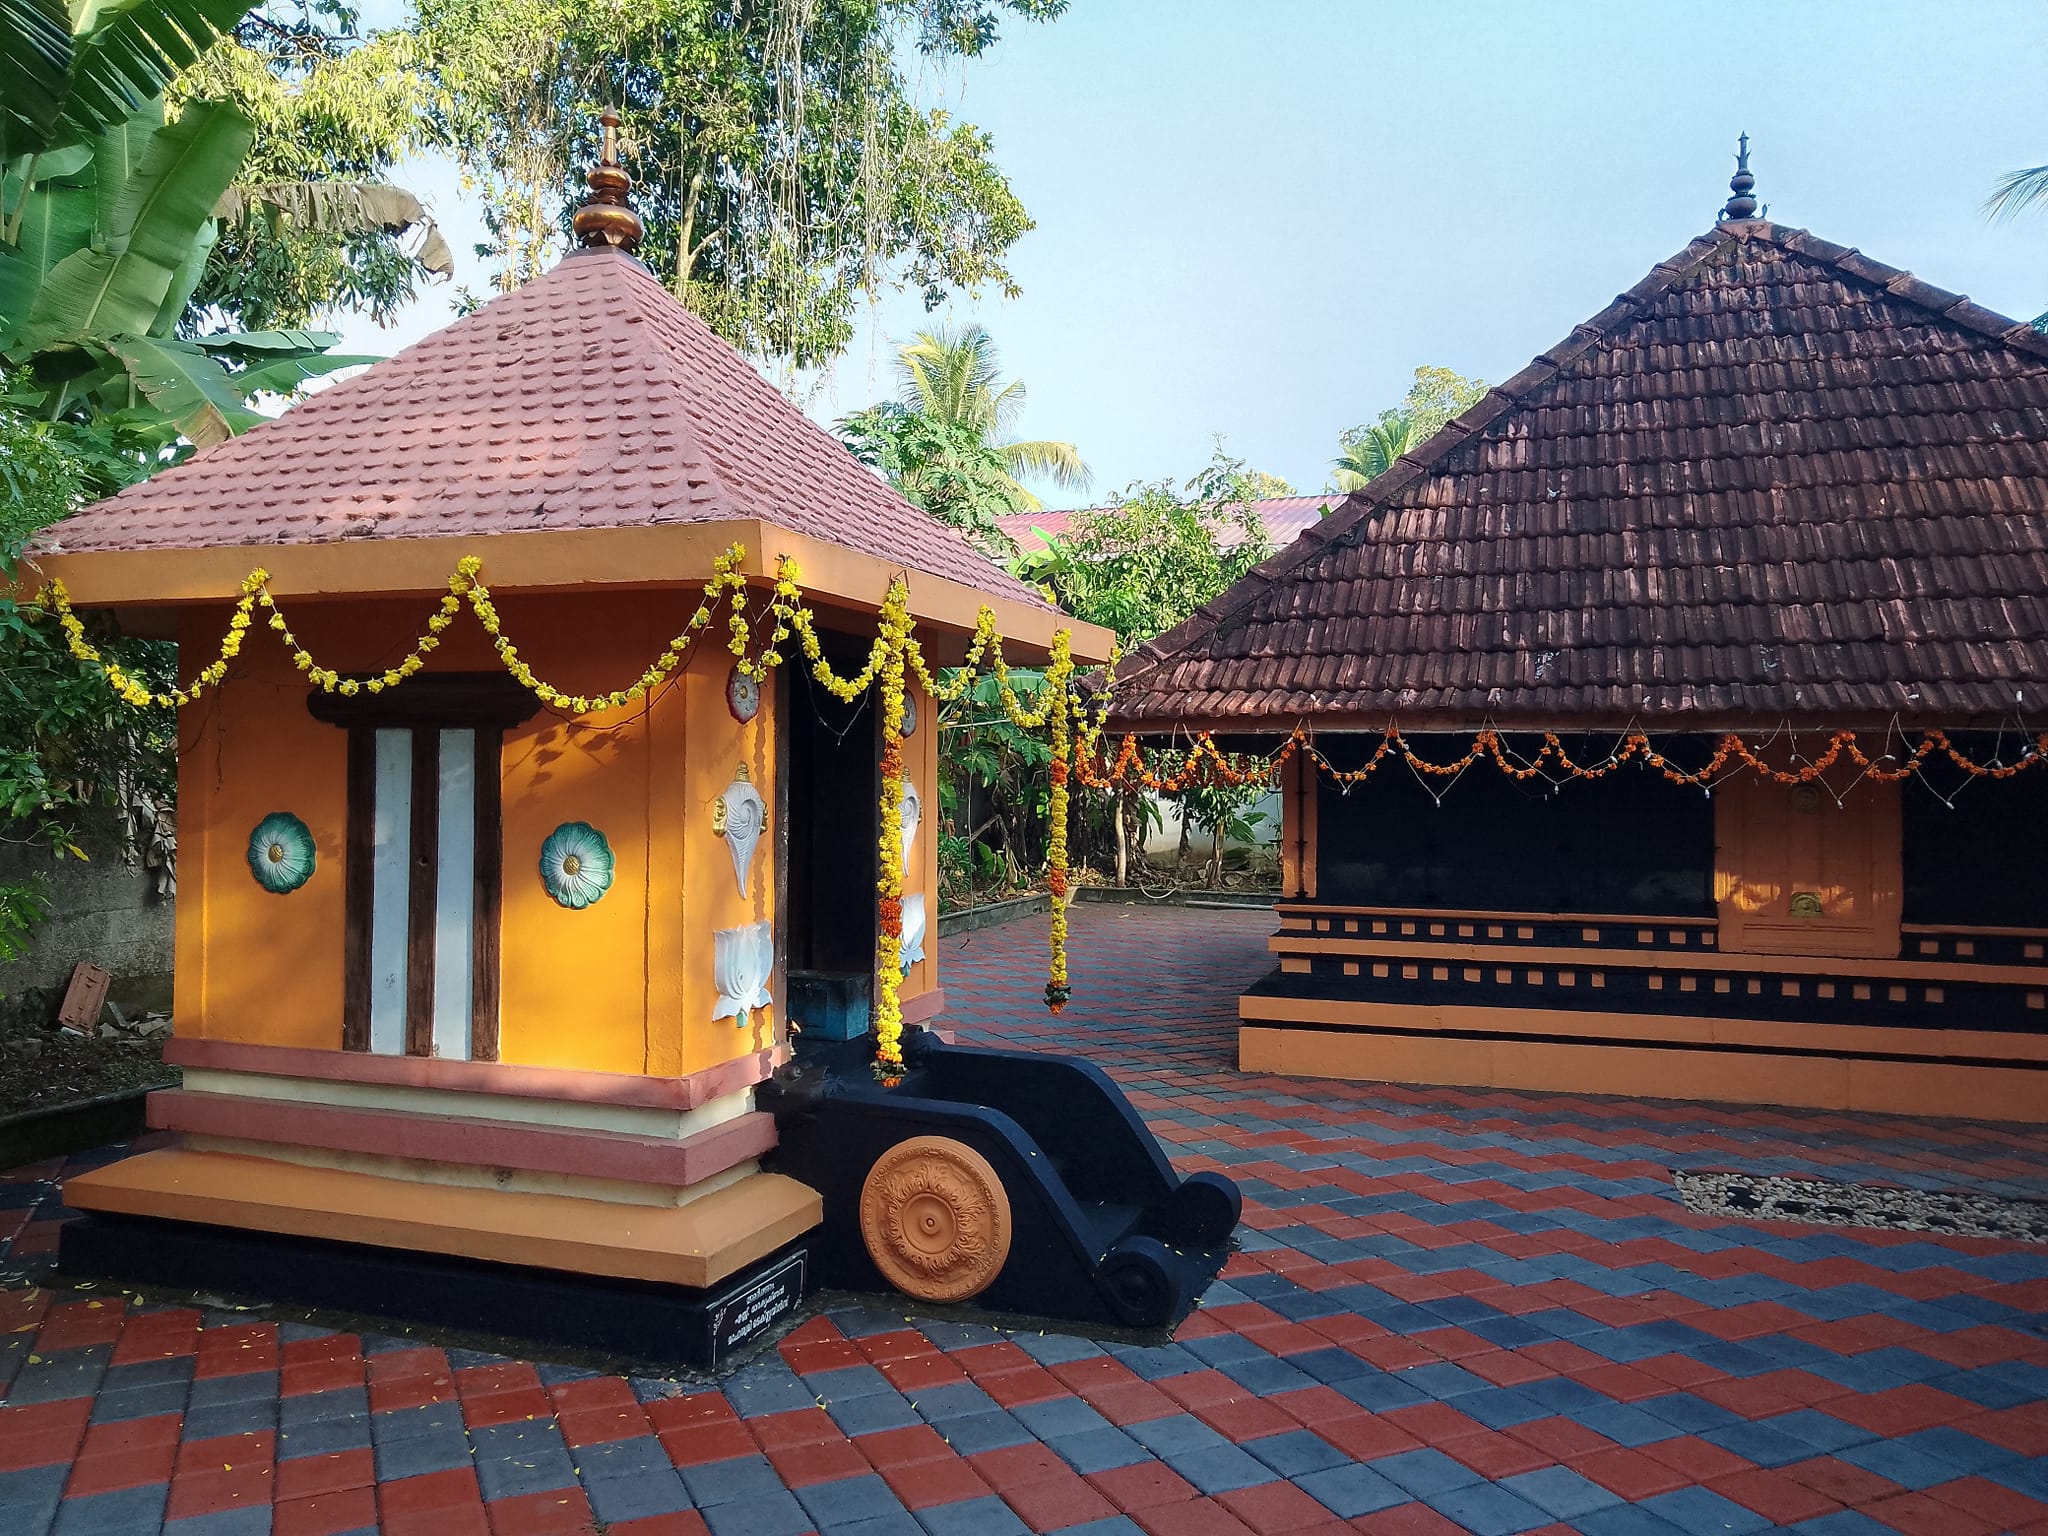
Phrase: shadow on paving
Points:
(1454, 1311)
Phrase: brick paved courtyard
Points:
(1454, 1311)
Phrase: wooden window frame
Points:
(489, 705)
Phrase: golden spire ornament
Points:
(608, 218)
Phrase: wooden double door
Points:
(1797, 873)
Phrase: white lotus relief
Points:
(742, 959)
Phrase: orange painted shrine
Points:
(461, 974)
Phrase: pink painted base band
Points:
(478, 1076)
(472, 1143)
(926, 1005)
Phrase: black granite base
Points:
(700, 1328)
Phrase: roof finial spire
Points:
(1741, 203)
(608, 218)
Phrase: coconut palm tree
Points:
(951, 376)
(1370, 451)
(2017, 191)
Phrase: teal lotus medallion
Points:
(576, 864)
(281, 853)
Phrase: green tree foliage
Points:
(942, 466)
(1227, 813)
(2017, 191)
(107, 218)
(310, 229)
(66, 742)
(68, 84)
(1158, 552)
(1139, 566)
(783, 166)
(41, 480)
(1368, 451)
(1257, 485)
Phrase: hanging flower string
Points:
(1077, 726)
(891, 642)
(893, 659)
(1204, 763)
(1057, 701)
(464, 585)
(128, 688)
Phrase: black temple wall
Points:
(1630, 842)
(1985, 862)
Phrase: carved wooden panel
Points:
(1795, 873)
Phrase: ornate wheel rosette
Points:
(935, 1219)
(281, 853)
(576, 864)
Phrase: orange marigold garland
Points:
(1205, 763)
(1077, 731)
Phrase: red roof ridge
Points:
(1216, 616)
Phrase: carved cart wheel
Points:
(935, 1219)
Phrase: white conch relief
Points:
(742, 959)
(740, 816)
(913, 813)
(913, 929)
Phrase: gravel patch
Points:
(1825, 1203)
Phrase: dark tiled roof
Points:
(587, 399)
(1285, 518)
(1775, 479)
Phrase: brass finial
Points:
(608, 218)
(1741, 202)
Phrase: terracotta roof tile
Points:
(587, 399)
(1776, 478)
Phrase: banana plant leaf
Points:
(185, 384)
(55, 221)
(185, 280)
(35, 61)
(117, 160)
(345, 208)
(254, 346)
(131, 51)
(71, 166)
(65, 364)
(287, 374)
(120, 288)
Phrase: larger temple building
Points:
(1778, 504)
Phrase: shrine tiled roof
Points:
(1774, 480)
(589, 398)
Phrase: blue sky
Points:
(1256, 219)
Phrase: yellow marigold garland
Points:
(1056, 706)
(464, 584)
(893, 659)
(892, 643)
(896, 656)
(54, 597)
